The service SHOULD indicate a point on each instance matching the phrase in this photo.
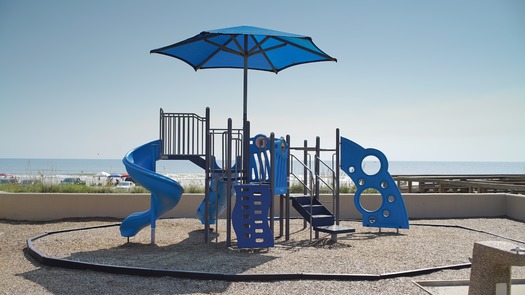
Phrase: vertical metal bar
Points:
(191, 131)
(177, 143)
(287, 209)
(184, 135)
(305, 173)
(337, 176)
(203, 137)
(272, 181)
(281, 210)
(246, 152)
(161, 129)
(199, 137)
(188, 134)
(316, 163)
(169, 135)
(228, 183)
(245, 88)
(207, 180)
(196, 136)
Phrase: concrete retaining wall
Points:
(456, 205)
(515, 207)
(42, 207)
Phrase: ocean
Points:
(48, 167)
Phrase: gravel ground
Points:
(179, 245)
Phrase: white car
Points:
(125, 186)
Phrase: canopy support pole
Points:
(245, 88)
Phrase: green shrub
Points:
(347, 189)
(64, 188)
(193, 189)
(296, 189)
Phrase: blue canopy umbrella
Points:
(245, 48)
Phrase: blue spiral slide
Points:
(165, 192)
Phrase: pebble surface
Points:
(180, 246)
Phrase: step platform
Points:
(334, 230)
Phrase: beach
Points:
(179, 246)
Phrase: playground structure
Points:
(257, 169)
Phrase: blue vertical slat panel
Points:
(250, 216)
(281, 166)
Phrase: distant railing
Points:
(182, 134)
(461, 183)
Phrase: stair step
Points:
(322, 220)
(321, 216)
(303, 200)
(316, 210)
(334, 229)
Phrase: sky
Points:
(419, 80)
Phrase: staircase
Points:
(306, 170)
(319, 217)
(312, 211)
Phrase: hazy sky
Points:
(420, 80)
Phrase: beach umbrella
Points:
(245, 48)
(102, 174)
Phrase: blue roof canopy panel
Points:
(245, 48)
(265, 50)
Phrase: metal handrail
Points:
(310, 189)
(311, 173)
(330, 170)
(331, 188)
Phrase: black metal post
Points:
(272, 181)
(305, 173)
(207, 179)
(337, 176)
(246, 152)
(316, 163)
(228, 184)
(287, 209)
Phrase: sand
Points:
(180, 246)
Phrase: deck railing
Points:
(182, 134)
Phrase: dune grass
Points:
(64, 188)
(87, 189)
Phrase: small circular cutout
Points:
(351, 169)
(361, 182)
(384, 184)
(372, 219)
(391, 199)
(386, 213)
(261, 142)
(283, 146)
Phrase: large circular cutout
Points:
(371, 200)
(371, 165)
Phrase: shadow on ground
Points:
(211, 258)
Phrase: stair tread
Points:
(334, 229)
